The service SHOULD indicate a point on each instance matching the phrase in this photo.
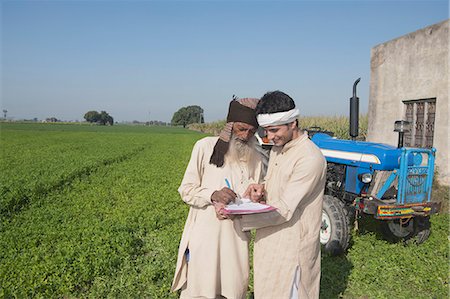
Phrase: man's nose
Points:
(248, 134)
(270, 136)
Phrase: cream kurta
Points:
(218, 249)
(288, 239)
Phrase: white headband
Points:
(279, 118)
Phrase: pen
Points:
(228, 183)
(229, 186)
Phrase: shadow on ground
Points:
(368, 224)
(335, 273)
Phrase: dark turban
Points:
(240, 110)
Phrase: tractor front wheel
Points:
(335, 229)
(413, 230)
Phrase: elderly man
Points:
(213, 254)
(287, 248)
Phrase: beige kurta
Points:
(288, 239)
(218, 249)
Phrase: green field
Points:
(92, 212)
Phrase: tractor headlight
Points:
(365, 177)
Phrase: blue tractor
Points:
(391, 183)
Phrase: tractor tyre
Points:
(335, 230)
(415, 231)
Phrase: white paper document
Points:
(246, 206)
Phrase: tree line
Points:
(183, 117)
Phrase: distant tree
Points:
(188, 115)
(155, 123)
(92, 116)
(4, 113)
(102, 118)
(105, 118)
(51, 120)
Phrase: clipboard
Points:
(246, 206)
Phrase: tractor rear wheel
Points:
(335, 229)
(415, 230)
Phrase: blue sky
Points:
(143, 60)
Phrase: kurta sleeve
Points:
(191, 190)
(304, 185)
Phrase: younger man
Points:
(287, 247)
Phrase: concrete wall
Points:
(414, 66)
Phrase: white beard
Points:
(240, 151)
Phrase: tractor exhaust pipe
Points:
(354, 112)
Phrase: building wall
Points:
(411, 67)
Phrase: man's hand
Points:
(220, 213)
(255, 192)
(224, 196)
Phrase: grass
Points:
(114, 230)
(375, 268)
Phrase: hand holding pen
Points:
(224, 195)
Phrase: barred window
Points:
(421, 115)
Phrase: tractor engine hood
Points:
(376, 156)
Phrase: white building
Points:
(410, 81)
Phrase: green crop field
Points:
(93, 212)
